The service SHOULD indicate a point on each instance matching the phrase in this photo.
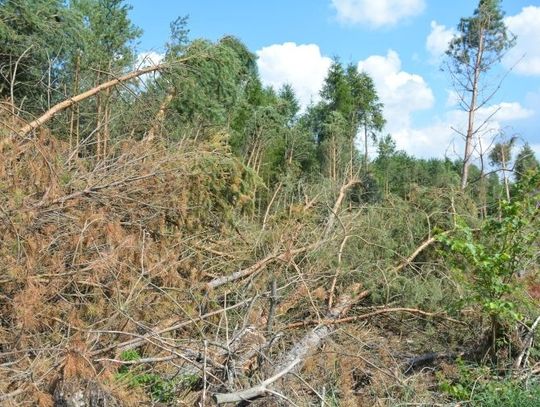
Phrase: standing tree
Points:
(367, 111)
(35, 41)
(106, 50)
(501, 155)
(525, 162)
(350, 102)
(481, 42)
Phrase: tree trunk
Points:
(53, 111)
(334, 159)
(74, 121)
(98, 125)
(82, 393)
(505, 176)
(471, 113)
(365, 148)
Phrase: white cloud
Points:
(377, 13)
(401, 92)
(439, 138)
(536, 149)
(148, 58)
(145, 59)
(302, 66)
(404, 93)
(452, 99)
(526, 25)
(438, 40)
(505, 112)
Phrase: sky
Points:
(400, 43)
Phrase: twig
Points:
(527, 345)
(285, 256)
(133, 343)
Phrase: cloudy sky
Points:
(400, 43)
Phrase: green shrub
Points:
(479, 387)
(158, 388)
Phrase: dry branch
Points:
(372, 314)
(140, 340)
(425, 244)
(285, 256)
(342, 191)
(256, 391)
(526, 345)
(295, 357)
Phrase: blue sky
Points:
(398, 42)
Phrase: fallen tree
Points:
(293, 360)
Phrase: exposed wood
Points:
(294, 359)
(338, 269)
(49, 114)
(256, 391)
(333, 215)
(285, 256)
(521, 360)
(423, 246)
(160, 116)
(267, 212)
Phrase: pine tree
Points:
(36, 37)
(501, 155)
(481, 42)
(525, 161)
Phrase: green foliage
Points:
(350, 104)
(483, 36)
(501, 154)
(158, 388)
(36, 40)
(212, 81)
(107, 35)
(490, 258)
(399, 173)
(477, 385)
(525, 162)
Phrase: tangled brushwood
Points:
(181, 235)
(149, 276)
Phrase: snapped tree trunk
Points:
(66, 104)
